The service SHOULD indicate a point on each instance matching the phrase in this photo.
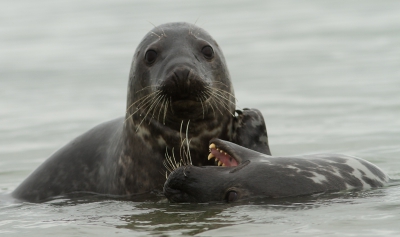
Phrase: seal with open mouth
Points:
(250, 174)
(178, 73)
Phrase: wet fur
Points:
(259, 175)
(125, 156)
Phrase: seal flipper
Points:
(249, 130)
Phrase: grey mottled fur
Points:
(125, 156)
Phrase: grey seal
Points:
(178, 74)
(250, 174)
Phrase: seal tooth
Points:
(219, 163)
(225, 153)
(221, 151)
(210, 156)
(223, 164)
(212, 146)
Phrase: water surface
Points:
(325, 74)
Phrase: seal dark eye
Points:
(150, 56)
(208, 52)
(231, 196)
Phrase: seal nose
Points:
(182, 77)
(182, 73)
(183, 83)
(172, 189)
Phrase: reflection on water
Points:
(324, 74)
(161, 217)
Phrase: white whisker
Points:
(141, 100)
(165, 111)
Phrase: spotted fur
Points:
(260, 175)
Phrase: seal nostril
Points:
(183, 83)
(182, 73)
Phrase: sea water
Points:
(325, 75)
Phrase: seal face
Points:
(179, 72)
(250, 174)
(178, 76)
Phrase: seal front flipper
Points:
(249, 130)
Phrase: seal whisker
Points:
(188, 144)
(190, 29)
(160, 98)
(202, 106)
(165, 110)
(161, 106)
(168, 163)
(184, 150)
(172, 161)
(166, 166)
(219, 99)
(182, 142)
(224, 101)
(219, 82)
(225, 96)
(211, 96)
(181, 149)
(205, 100)
(156, 102)
(149, 108)
(224, 92)
(142, 100)
(177, 164)
(144, 88)
(163, 32)
(145, 104)
(156, 35)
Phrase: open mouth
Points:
(222, 157)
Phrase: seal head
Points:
(249, 174)
(179, 69)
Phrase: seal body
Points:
(178, 77)
(257, 175)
